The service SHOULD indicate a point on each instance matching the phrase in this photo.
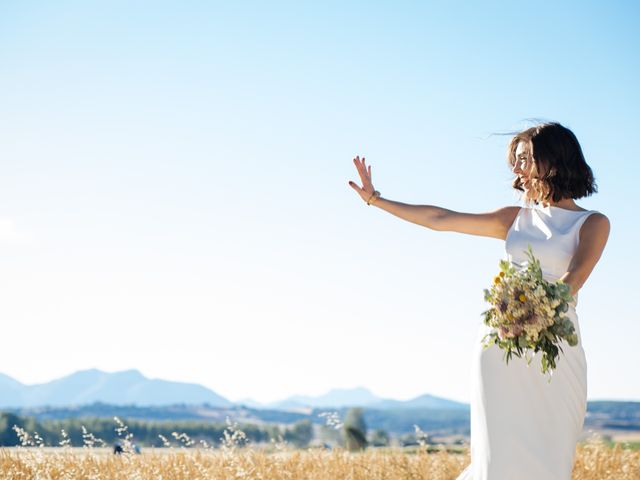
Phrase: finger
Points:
(362, 173)
(355, 186)
(369, 172)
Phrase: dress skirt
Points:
(523, 426)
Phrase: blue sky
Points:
(174, 196)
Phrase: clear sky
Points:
(174, 186)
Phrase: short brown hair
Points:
(559, 165)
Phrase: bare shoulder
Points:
(596, 224)
(507, 215)
(594, 233)
(593, 237)
(503, 219)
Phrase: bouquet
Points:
(528, 313)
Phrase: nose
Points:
(515, 168)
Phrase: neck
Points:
(567, 203)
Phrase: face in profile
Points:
(523, 165)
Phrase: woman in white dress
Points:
(524, 427)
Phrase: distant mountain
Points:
(360, 396)
(130, 387)
(336, 398)
(119, 388)
(11, 391)
(423, 401)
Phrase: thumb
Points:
(355, 186)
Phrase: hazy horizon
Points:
(235, 400)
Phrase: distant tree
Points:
(7, 434)
(355, 430)
(408, 439)
(380, 438)
(300, 434)
(331, 435)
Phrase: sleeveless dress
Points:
(523, 426)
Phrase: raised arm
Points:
(493, 224)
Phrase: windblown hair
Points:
(559, 168)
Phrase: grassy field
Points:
(593, 461)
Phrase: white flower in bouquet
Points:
(528, 313)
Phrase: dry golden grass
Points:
(593, 461)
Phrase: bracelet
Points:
(375, 194)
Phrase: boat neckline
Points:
(565, 209)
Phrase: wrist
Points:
(374, 196)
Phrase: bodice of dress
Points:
(553, 234)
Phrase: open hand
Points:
(365, 175)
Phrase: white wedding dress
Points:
(524, 427)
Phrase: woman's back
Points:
(552, 232)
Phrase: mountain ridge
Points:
(131, 387)
(93, 385)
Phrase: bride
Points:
(524, 427)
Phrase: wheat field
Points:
(593, 461)
(237, 458)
